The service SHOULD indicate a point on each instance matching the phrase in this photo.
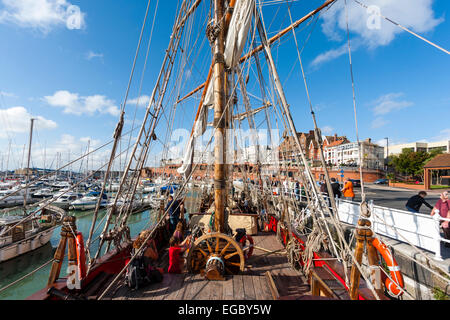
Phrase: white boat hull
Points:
(21, 247)
(86, 206)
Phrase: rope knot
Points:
(212, 31)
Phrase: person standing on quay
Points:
(348, 190)
(442, 207)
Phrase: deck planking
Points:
(252, 284)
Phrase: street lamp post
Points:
(387, 154)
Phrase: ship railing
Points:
(421, 230)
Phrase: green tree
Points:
(411, 163)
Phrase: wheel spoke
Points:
(209, 246)
(228, 256)
(217, 244)
(203, 252)
(236, 264)
(225, 248)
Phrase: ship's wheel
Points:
(215, 254)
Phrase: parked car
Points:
(381, 181)
(356, 183)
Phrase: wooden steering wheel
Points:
(215, 254)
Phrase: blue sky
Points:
(72, 73)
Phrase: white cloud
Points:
(17, 120)
(335, 53)
(143, 101)
(73, 103)
(443, 135)
(70, 146)
(7, 94)
(386, 104)
(378, 123)
(92, 142)
(43, 15)
(389, 102)
(91, 55)
(416, 15)
(327, 130)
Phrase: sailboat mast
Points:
(219, 119)
(7, 161)
(28, 163)
(87, 158)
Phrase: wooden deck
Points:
(252, 284)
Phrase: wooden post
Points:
(67, 235)
(58, 258)
(427, 180)
(219, 121)
(359, 250)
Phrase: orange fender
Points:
(392, 286)
(81, 255)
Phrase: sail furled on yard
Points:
(234, 46)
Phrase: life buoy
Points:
(392, 286)
(81, 255)
(243, 241)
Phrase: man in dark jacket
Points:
(336, 188)
(174, 213)
(415, 202)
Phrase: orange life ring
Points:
(392, 286)
(243, 241)
(81, 255)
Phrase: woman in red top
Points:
(443, 208)
(176, 261)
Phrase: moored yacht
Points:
(89, 201)
(64, 201)
(19, 236)
(12, 198)
(43, 193)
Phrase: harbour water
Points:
(17, 268)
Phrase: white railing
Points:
(421, 230)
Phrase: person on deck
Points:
(179, 232)
(183, 214)
(415, 202)
(442, 207)
(336, 188)
(348, 190)
(177, 248)
(297, 190)
(174, 213)
(323, 188)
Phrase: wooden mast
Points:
(219, 119)
(260, 47)
(28, 167)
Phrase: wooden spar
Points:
(160, 87)
(188, 14)
(260, 48)
(219, 121)
(28, 166)
(286, 30)
(205, 85)
(244, 115)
